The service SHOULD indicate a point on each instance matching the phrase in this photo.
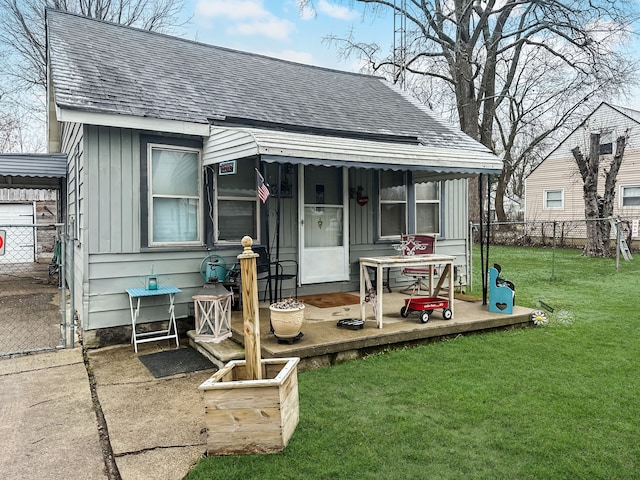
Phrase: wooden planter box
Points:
(251, 416)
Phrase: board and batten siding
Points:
(110, 240)
(114, 182)
(115, 259)
(72, 143)
(559, 170)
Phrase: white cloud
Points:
(231, 9)
(336, 11)
(245, 17)
(272, 27)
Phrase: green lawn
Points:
(561, 401)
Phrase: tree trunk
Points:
(501, 189)
(598, 209)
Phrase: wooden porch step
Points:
(218, 353)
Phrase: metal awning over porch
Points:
(225, 144)
(32, 170)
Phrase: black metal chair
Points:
(275, 272)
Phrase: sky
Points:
(278, 28)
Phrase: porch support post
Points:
(483, 269)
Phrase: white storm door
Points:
(324, 224)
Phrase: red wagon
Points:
(426, 306)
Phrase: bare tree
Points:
(478, 50)
(545, 102)
(23, 70)
(15, 134)
(599, 208)
(22, 28)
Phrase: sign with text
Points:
(3, 237)
(227, 168)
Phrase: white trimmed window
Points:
(427, 196)
(412, 207)
(553, 199)
(630, 196)
(174, 186)
(606, 143)
(393, 204)
(237, 204)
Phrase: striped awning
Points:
(226, 144)
(33, 165)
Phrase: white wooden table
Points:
(368, 295)
(171, 331)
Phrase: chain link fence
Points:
(33, 301)
(559, 233)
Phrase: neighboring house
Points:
(554, 189)
(164, 136)
(31, 186)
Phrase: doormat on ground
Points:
(328, 300)
(172, 362)
(466, 298)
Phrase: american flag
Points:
(263, 188)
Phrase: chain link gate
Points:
(33, 294)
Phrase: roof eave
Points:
(131, 121)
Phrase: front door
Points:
(324, 232)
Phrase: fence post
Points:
(72, 282)
(553, 252)
(617, 226)
(63, 284)
(470, 259)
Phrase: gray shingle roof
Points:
(33, 165)
(107, 68)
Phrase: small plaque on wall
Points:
(227, 168)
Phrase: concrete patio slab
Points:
(47, 422)
(156, 425)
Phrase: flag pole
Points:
(266, 229)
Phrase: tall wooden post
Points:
(250, 310)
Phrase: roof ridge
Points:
(207, 45)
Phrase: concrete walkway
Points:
(48, 425)
(156, 425)
(47, 422)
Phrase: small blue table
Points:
(137, 294)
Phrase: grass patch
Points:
(560, 401)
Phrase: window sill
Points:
(175, 248)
